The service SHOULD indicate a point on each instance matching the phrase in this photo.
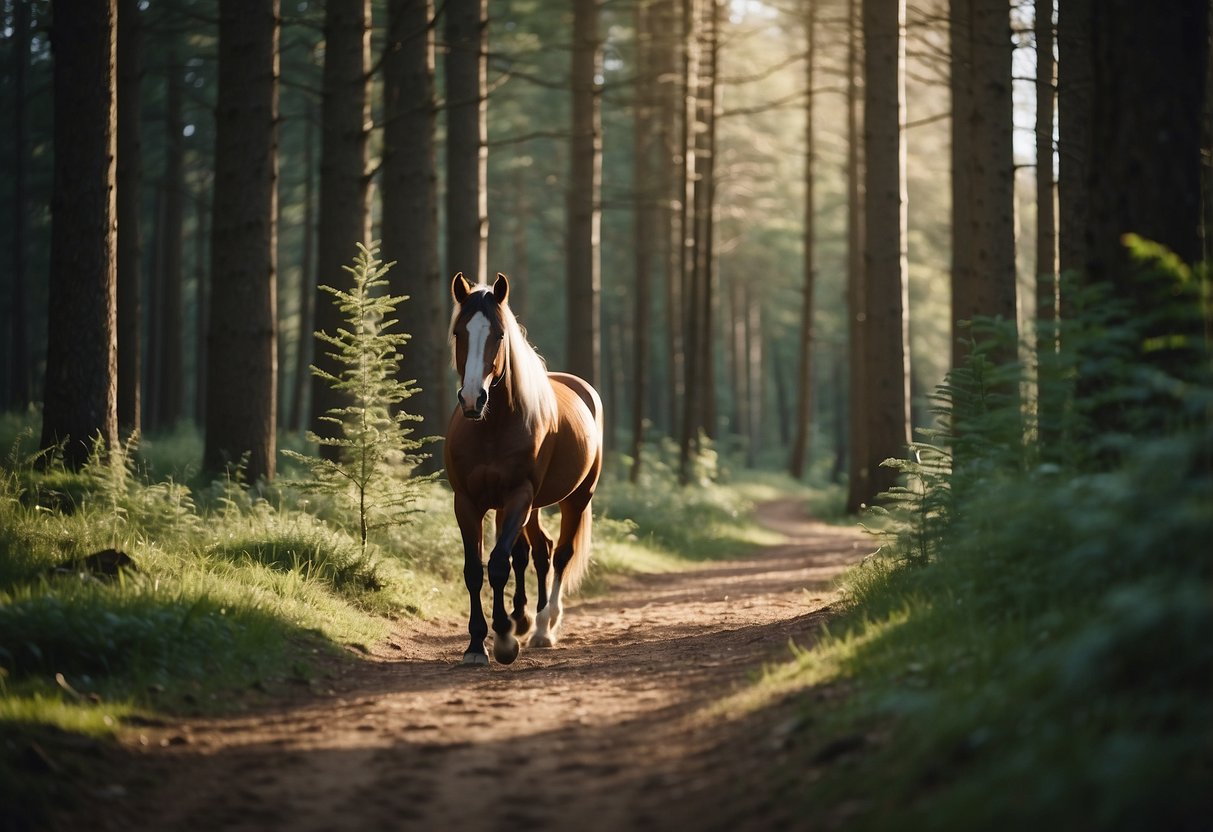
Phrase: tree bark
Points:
(1149, 72)
(242, 345)
(466, 70)
(169, 386)
(18, 389)
(584, 208)
(669, 176)
(705, 214)
(1147, 106)
(81, 392)
(885, 338)
(307, 277)
(129, 207)
(1046, 185)
(858, 486)
(202, 302)
(983, 208)
(804, 356)
(737, 359)
(410, 208)
(688, 371)
(1048, 402)
(754, 371)
(1074, 82)
(344, 215)
(645, 217)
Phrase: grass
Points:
(237, 588)
(1049, 667)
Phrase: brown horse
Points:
(537, 443)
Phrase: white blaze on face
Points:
(473, 371)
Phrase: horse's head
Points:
(480, 341)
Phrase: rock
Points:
(108, 563)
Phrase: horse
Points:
(520, 439)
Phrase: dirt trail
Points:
(605, 732)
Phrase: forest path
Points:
(607, 731)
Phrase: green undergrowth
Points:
(710, 519)
(1053, 669)
(122, 595)
(232, 593)
(1031, 648)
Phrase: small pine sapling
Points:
(376, 449)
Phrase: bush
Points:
(1035, 639)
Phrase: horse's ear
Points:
(501, 288)
(460, 288)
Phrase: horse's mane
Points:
(528, 386)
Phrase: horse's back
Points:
(586, 392)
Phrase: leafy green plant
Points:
(1049, 665)
(375, 447)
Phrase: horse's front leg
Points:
(470, 520)
(521, 557)
(511, 517)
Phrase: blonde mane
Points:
(527, 383)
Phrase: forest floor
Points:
(618, 727)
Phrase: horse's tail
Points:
(580, 562)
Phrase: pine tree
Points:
(371, 441)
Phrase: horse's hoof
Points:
(474, 659)
(505, 650)
(542, 641)
(522, 624)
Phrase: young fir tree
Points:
(374, 444)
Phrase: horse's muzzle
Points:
(476, 412)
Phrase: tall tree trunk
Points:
(960, 42)
(81, 392)
(737, 360)
(1147, 104)
(983, 209)
(584, 208)
(1046, 185)
(154, 325)
(614, 377)
(242, 345)
(344, 215)
(410, 207)
(520, 279)
(18, 390)
(839, 421)
(169, 384)
(1074, 82)
(705, 214)
(804, 377)
(688, 372)
(466, 70)
(129, 206)
(645, 216)
(202, 301)
(754, 370)
(858, 487)
(885, 337)
(1206, 156)
(782, 395)
(307, 277)
(672, 187)
(1048, 403)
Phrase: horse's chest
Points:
(494, 482)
